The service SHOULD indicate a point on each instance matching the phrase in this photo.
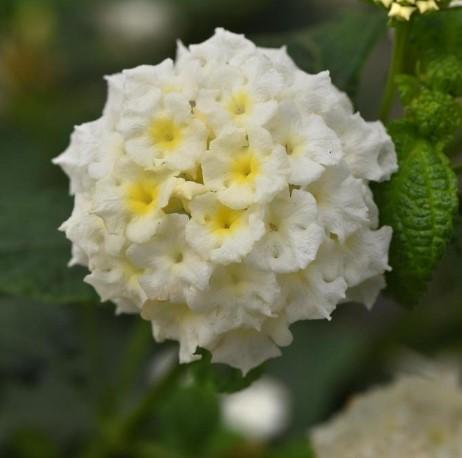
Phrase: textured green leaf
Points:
(34, 201)
(443, 73)
(435, 114)
(341, 46)
(409, 88)
(420, 203)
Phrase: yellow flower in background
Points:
(404, 9)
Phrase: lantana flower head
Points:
(225, 195)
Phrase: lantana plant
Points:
(234, 190)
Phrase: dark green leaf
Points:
(33, 334)
(437, 34)
(34, 201)
(189, 418)
(32, 444)
(420, 203)
(52, 406)
(153, 450)
(333, 351)
(294, 449)
(223, 378)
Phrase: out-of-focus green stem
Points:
(91, 344)
(136, 351)
(117, 432)
(400, 40)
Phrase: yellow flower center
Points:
(169, 88)
(175, 205)
(245, 168)
(289, 147)
(131, 271)
(239, 104)
(141, 196)
(165, 134)
(224, 221)
(293, 146)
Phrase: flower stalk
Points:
(400, 40)
(117, 433)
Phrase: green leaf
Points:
(334, 351)
(341, 46)
(436, 115)
(32, 444)
(437, 34)
(420, 203)
(223, 378)
(294, 449)
(33, 335)
(443, 73)
(34, 201)
(153, 450)
(409, 88)
(436, 47)
(53, 406)
(188, 418)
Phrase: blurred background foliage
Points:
(67, 364)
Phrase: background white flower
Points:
(260, 412)
(415, 416)
(225, 195)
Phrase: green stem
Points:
(117, 433)
(137, 349)
(396, 67)
(91, 345)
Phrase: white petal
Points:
(366, 254)
(310, 296)
(341, 202)
(244, 349)
(369, 150)
(366, 292)
(239, 287)
(171, 267)
(293, 235)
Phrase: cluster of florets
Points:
(225, 196)
(415, 416)
(404, 9)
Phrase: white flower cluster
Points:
(418, 417)
(225, 196)
(404, 9)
